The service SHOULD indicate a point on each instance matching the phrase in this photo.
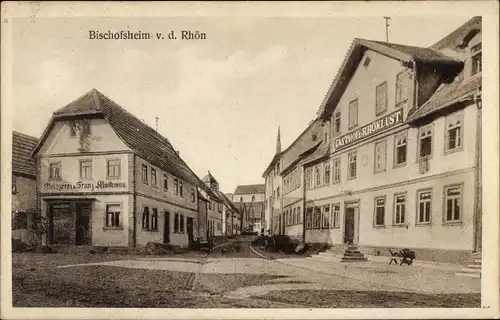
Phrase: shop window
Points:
(380, 156)
(55, 171)
(86, 169)
(453, 203)
(401, 87)
(454, 132)
(114, 168)
(379, 211)
(145, 218)
(400, 144)
(336, 123)
(176, 223)
(381, 99)
(145, 174)
(352, 157)
(176, 186)
(154, 219)
(317, 170)
(476, 59)
(335, 219)
(181, 223)
(153, 177)
(425, 141)
(336, 170)
(309, 213)
(399, 209)
(326, 217)
(14, 185)
(424, 206)
(113, 216)
(353, 114)
(165, 182)
(326, 176)
(317, 218)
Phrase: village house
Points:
(24, 209)
(273, 185)
(105, 178)
(250, 202)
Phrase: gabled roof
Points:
(446, 96)
(22, 146)
(209, 178)
(403, 53)
(301, 156)
(138, 136)
(250, 189)
(275, 159)
(226, 200)
(320, 152)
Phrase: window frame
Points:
(403, 88)
(473, 55)
(145, 173)
(337, 123)
(460, 186)
(120, 216)
(182, 228)
(80, 163)
(318, 182)
(356, 103)
(316, 213)
(334, 169)
(154, 218)
(418, 201)
(383, 156)
(335, 216)
(349, 155)
(395, 162)
(181, 189)
(459, 115)
(384, 110)
(309, 212)
(165, 182)
(14, 184)
(145, 219)
(56, 164)
(327, 169)
(419, 142)
(325, 224)
(176, 222)
(119, 165)
(405, 213)
(376, 206)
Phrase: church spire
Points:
(278, 142)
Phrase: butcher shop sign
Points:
(84, 186)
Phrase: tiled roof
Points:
(322, 151)
(209, 178)
(456, 38)
(138, 136)
(22, 146)
(250, 189)
(301, 156)
(226, 200)
(447, 95)
(399, 52)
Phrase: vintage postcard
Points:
(240, 160)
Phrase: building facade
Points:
(107, 179)
(24, 209)
(250, 201)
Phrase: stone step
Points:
(470, 275)
(477, 260)
(474, 266)
(353, 259)
(318, 258)
(472, 270)
(353, 254)
(353, 251)
(326, 254)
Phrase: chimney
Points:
(178, 152)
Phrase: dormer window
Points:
(476, 59)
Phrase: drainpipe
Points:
(477, 211)
(415, 85)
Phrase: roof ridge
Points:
(24, 135)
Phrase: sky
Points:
(219, 100)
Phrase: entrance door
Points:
(61, 224)
(83, 233)
(349, 225)
(189, 227)
(166, 228)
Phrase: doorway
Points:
(166, 228)
(61, 224)
(189, 227)
(349, 225)
(83, 235)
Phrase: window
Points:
(336, 170)
(114, 168)
(55, 171)
(400, 143)
(353, 114)
(453, 203)
(154, 219)
(278, 192)
(145, 218)
(19, 220)
(335, 220)
(401, 87)
(181, 223)
(86, 127)
(399, 209)
(326, 217)
(181, 190)
(454, 132)
(352, 165)
(379, 211)
(153, 177)
(299, 215)
(336, 123)
(380, 156)
(317, 170)
(176, 186)
(309, 212)
(476, 59)
(309, 178)
(113, 215)
(253, 198)
(193, 197)
(425, 141)
(326, 137)
(145, 174)
(294, 216)
(381, 99)
(367, 62)
(176, 223)
(424, 203)
(326, 176)
(72, 129)
(165, 182)
(14, 185)
(85, 169)
(317, 218)
(220, 207)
